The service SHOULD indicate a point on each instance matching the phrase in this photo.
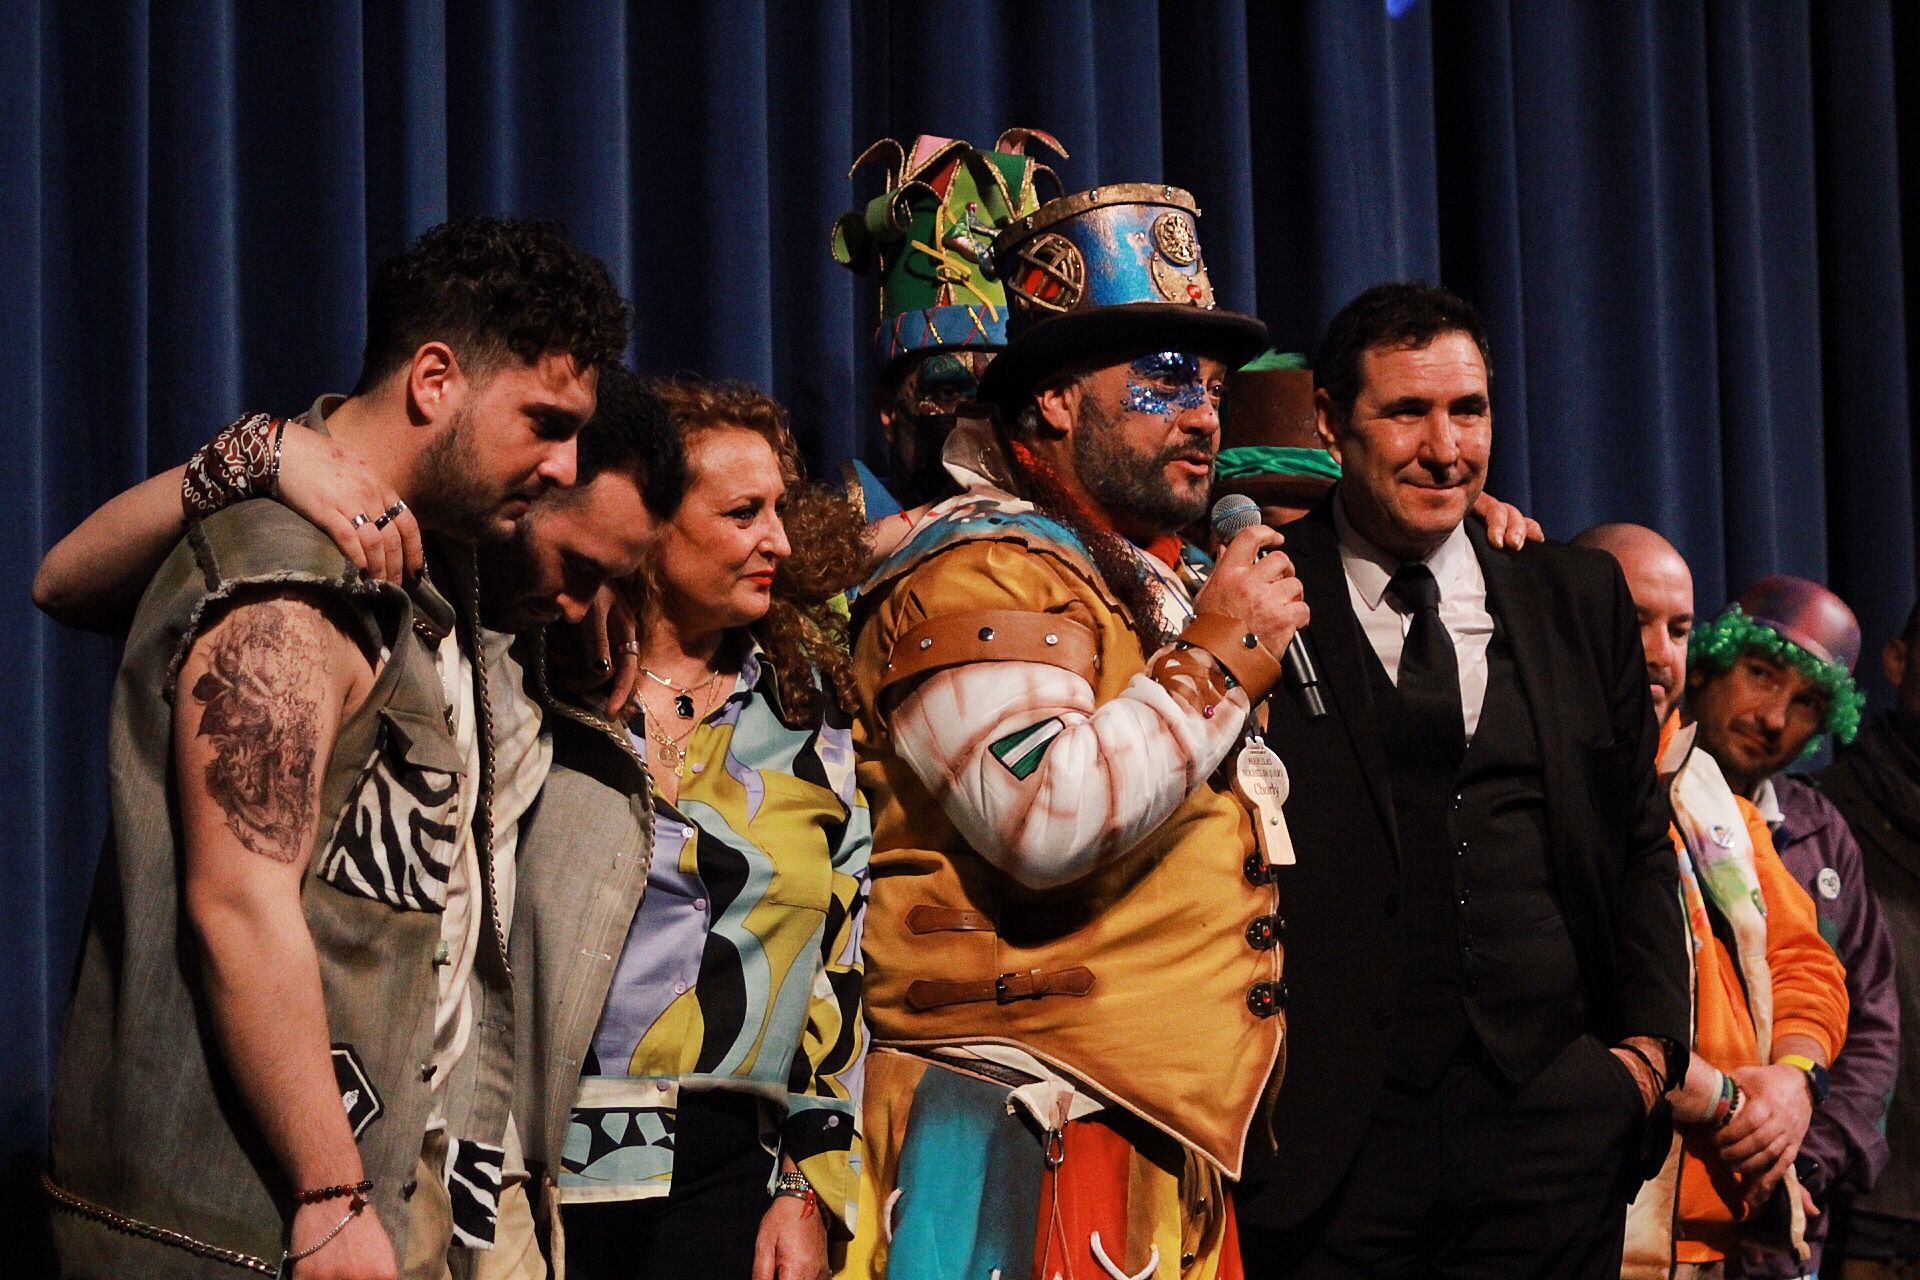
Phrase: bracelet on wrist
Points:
(794, 1186)
(355, 1207)
(1736, 1096)
(320, 1194)
(1722, 1108)
(1659, 1076)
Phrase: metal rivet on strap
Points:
(1052, 639)
(1250, 640)
(926, 644)
(986, 633)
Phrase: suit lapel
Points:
(1338, 646)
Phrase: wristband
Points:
(1723, 1104)
(241, 462)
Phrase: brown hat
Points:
(1270, 447)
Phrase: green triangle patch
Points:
(1022, 750)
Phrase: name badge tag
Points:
(1260, 780)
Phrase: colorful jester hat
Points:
(929, 235)
(1797, 622)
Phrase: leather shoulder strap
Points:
(992, 635)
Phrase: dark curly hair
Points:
(633, 431)
(804, 634)
(1404, 313)
(490, 288)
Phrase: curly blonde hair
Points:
(804, 634)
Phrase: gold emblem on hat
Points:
(1173, 234)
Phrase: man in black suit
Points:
(1486, 965)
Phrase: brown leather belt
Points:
(1033, 984)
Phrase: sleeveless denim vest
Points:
(158, 1168)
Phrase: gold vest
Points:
(1139, 979)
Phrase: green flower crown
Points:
(1723, 641)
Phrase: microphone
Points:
(1231, 515)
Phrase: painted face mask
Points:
(1166, 383)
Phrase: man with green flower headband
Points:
(1771, 674)
(1766, 679)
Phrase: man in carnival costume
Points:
(1771, 676)
(1875, 783)
(1764, 984)
(1073, 959)
(928, 235)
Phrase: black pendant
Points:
(684, 705)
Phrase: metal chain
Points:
(134, 1227)
(483, 729)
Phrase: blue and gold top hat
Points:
(1108, 272)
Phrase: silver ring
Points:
(358, 520)
(386, 517)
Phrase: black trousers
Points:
(704, 1228)
(1475, 1179)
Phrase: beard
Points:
(1133, 487)
(455, 495)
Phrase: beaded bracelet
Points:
(319, 1194)
(241, 462)
(795, 1186)
(1736, 1096)
(1722, 1105)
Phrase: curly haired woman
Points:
(714, 1132)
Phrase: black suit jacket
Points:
(1575, 640)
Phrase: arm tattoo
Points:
(262, 689)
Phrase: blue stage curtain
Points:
(1688, 224)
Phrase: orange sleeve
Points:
(1809, 982)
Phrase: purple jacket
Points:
(1847, 1135)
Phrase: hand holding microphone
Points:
(1254, 582)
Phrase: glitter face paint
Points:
(1167, 383)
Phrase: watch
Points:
(1816, 1074)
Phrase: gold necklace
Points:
(673, 751)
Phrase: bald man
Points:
(1766, 987)
(1662, 587)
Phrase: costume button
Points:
(1256, 870)
(1265, 999)
(1460, 850)
(679, 988)
(1263, 933)
(1459, 798)
(1462, 899)
(408, 1187)
(699, 904)
(426, 1071)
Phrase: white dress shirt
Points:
(1463, 606)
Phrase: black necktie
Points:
(1429, 669)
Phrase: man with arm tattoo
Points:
(290, 1041)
